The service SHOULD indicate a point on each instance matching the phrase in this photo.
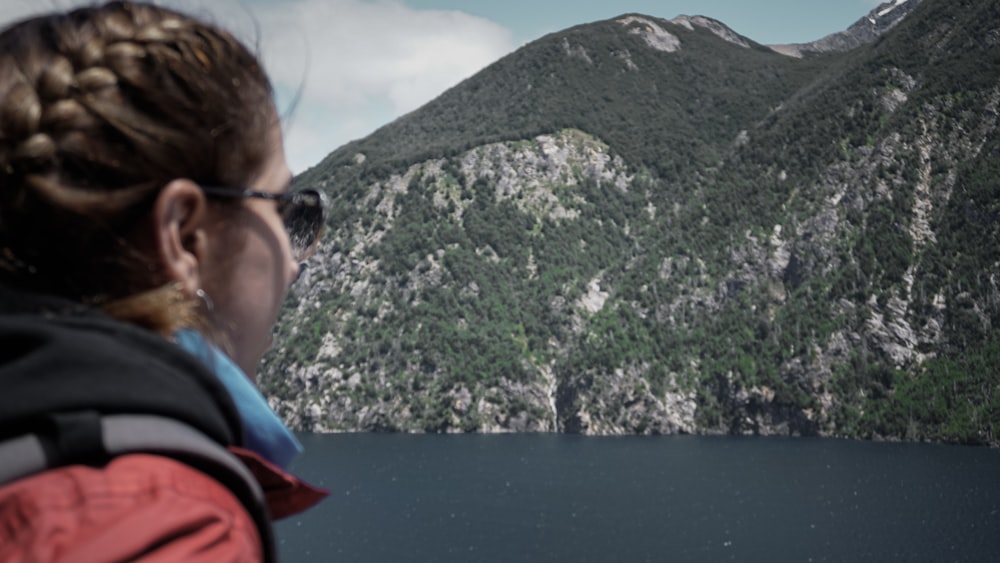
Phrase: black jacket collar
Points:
(58, 356)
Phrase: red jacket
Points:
(138, 508)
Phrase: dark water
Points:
(578, 499)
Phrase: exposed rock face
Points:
(520, 173)
(624, 403)
(661, 39)
(576, 51)
(654, 35)
(718, 28)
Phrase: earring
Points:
(200, 294)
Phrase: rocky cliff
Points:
(583, 238)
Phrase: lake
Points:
(551, 497)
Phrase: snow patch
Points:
(894, 5)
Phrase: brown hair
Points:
(99, 109)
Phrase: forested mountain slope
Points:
(653, 226)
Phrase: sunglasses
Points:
(301, 211)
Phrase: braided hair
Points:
(101, 107)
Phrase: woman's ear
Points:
(179, 233)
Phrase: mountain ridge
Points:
(857, 34)
(865, 30)
(530, 113)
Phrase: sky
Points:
(355, 65)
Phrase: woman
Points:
(147, 241)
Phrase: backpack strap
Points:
(21, 456)
(88, 436)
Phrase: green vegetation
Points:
(809, 246)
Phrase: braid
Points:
(99, 108)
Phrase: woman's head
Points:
(105, 114)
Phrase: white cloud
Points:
(358, 63)
(365, 63)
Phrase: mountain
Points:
(862, 32)
(656, 226)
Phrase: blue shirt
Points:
(264, 433)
